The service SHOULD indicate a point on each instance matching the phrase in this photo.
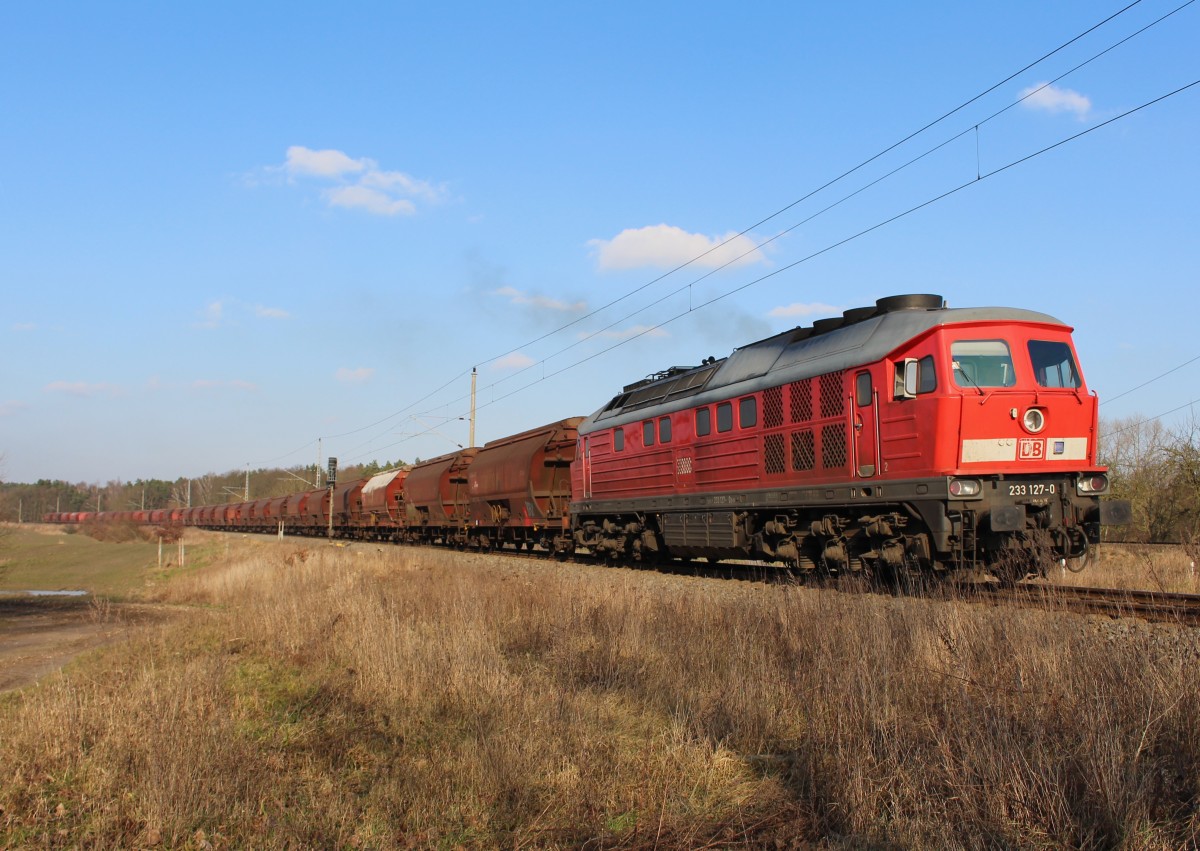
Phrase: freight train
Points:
(905, 439)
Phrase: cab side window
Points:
(862, 389)
(748, 412)
(725, 417)
(703, 421)
(927, 382)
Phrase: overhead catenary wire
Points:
(1151, 381)
(743, 232)
(650, 329)
(1142, 422)
(756, 247)
(975, 181)
(823, 186)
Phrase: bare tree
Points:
(1158, 471)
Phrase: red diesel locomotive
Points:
(899, 439)
(906, 436)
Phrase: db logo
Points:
(1032, 449)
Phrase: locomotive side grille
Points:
(800, 396)
(804, 454)
(773, 407)
(833, 446)
(774, 457)
(832, 398)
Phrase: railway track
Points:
(1157, 606)
(1154, 606)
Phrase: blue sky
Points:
(228, 230)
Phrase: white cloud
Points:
(666, 245)
(82, 388)
(632, 331)
(1052, 99)
(7, 409)
(371, 200)
(516, 360)
(355, 376)
(358, 183)
(326, 163)
(223, 311)
(216, 384)
(518, 297)
(210, 317)
(398, 181)
(24, 326)
(800, 309)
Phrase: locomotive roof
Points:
(792, 356)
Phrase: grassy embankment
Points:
(331, 697)
(59, 558)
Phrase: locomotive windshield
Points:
(982, 363)
(1053, 364)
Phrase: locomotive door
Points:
(586, 463)
(865, 414)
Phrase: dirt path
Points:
(39, 635)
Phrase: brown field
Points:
(1144, 567)
(363, 697)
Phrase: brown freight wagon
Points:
(435, 494)
(383, 514)
(520, 487)
(254, 517)
(293, 510)
(316, 511)
(273, 513)
(347, 505)
(233, 515)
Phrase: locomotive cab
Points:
(1005, 415)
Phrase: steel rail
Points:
(1156, 606)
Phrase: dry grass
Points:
(335, 697)
(1141, 567)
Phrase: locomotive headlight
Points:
(964, 487)
(1092, 484)
(1034, 420)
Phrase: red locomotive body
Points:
(520, 486)
(901, 437)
